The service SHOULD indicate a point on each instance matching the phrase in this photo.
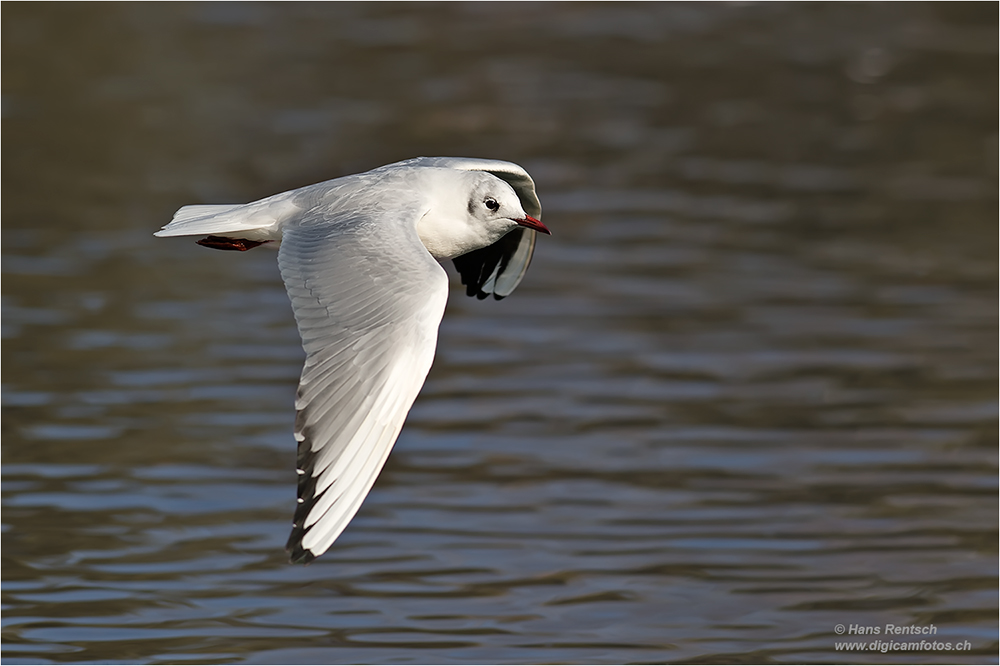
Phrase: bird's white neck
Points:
(447, 237)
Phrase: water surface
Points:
(746, 392)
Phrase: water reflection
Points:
(747, 393)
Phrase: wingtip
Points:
(297, 554)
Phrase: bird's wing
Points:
(498, 268)
(368, 299)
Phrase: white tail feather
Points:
(259, 220)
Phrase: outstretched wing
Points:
(498, 268)
(368, 299)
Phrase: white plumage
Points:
(358, 256)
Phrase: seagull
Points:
(359, 257)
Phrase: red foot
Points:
(235, 244)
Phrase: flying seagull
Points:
(359, 258)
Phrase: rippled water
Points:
(746, 393)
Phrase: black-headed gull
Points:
(359, 258)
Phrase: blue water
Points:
(746, 392)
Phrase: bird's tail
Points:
(200, 219)
(257, 222)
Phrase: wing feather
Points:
(368, 302)
(497, 269)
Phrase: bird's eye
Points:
(491, 203)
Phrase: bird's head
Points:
(469, 210)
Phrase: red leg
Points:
(235, 244)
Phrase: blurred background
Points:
(746, 392)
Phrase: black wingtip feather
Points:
(477, 266)
(306, 492)
(297, 554)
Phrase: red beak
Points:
(532, 223)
